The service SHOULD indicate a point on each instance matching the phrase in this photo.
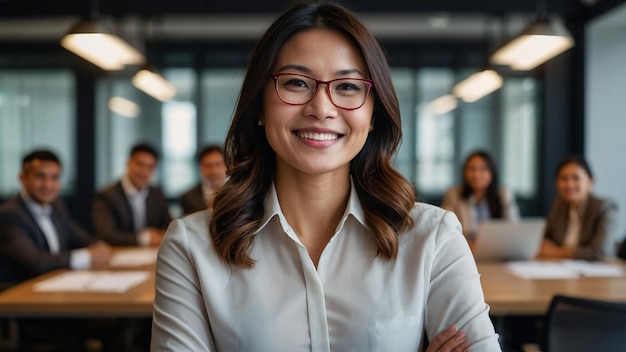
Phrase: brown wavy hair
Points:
(386, 196)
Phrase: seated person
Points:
(579, 225)
(130, 211)
(38, 236)
(36, 232)
(480, 197)
(213, 176)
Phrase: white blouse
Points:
(353, 301)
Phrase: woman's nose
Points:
(322, 105)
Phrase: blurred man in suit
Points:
(130, 211)
(36, 232)
(37, 236)
(212, 177)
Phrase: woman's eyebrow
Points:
(309, 71)
(295, 67)
(350, 71)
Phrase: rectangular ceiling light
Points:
(443, 104)
(154, 85)
(537, 44)
(90, 41)
(478, 85)
(124, 107)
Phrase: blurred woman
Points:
(480, 197)
(580, 225)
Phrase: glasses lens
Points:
(349, 93)
(295, 89)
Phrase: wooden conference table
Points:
(23, 300)
(506, 293)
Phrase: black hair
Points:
(40, 154)
(144, 148)
(574, 159)
(492, 194)
(209, 149)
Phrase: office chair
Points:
(8, 334)
(8, 327)
(583, 325)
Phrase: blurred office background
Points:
(574, 103)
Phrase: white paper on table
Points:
(133, 257)
(541, 270)
(69, 281)
(594, 269)
(93, 281)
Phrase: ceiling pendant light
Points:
(537, 44)
(443, 104)
(154, 84)
(124, 107)
(477, 85)
(91, 41)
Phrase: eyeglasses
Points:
(344, 93)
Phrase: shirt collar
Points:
(34, 207)
(130, 190)
(272, 209)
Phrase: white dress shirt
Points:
(353, 301)
(137, 200)
(209, 190)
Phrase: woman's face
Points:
(316, 137)
(573, 183)
(477, 174)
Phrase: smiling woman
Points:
(580, 225)
(480, 197)
(314, 204)
(343, 130)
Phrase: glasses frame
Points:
(368, 82)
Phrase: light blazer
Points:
(24, 251)
(113, 218)
(454, 202)
(193, 200)
(597, 228)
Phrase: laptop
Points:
(502, 240)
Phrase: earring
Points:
(260, 123)
(371, 128)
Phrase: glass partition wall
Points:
(433, 148)
(38, 108)
(36, 111)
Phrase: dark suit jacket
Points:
(597, 228)
(24, 251)
(113, 218)
(193, 200)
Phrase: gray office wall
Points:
(605, 112)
